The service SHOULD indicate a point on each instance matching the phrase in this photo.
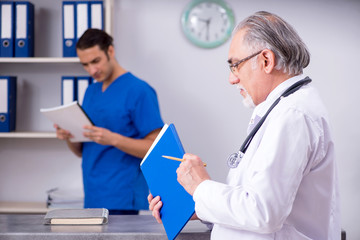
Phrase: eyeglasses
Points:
(234, 67)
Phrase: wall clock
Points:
(207, 23)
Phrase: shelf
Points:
(40, 60)
(23, 207)
(28, 135)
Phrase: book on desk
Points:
(85, 216)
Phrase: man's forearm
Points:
(76, 148)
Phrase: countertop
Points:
(119, 227)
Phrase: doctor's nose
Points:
(233, 79)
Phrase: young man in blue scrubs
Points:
(126, 115)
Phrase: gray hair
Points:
(267, 30)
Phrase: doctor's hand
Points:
(99, 135)
(155, 205)
(191, 173)
(62, 134)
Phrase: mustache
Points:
(240, 87)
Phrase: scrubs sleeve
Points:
(146, 113)
(264, 195)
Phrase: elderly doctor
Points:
(283, 183)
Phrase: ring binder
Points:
(68, 90)
(69, 29)
(7, 103)
(7, 29)
(24, 37)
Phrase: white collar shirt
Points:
(286, 185)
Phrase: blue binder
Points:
(160, 174)
(7, 103)
(68, 89)
(96, 15)
(82, 17)
(7, 29)
(82, 83)
(69, 28)
(24, 34)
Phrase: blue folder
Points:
(69, 28)
(82, 17)
(68, 89)
(82, 83)
(96, 13)
(7, 103)
(160, 174)
(24, 34)
(7, 10)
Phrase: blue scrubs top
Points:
(113, 179)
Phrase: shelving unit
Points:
(33, 70)
(28, 135)
(23, 207)
(40, 60)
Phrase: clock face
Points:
(207, 23)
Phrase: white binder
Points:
(69, 31)
(96, 15)
(82, 18)
(7, 29)
(68, 90)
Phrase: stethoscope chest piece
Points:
(234, 159)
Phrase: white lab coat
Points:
(286, 185)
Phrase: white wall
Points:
(193, 90)
(192, 83)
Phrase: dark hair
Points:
(93, 37)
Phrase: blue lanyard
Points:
(235, 158)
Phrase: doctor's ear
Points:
(267, 60)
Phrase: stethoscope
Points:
(235, 158)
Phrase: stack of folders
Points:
(65, 198)
(77, 216)
(17, 29)
(7, 103)
(78, 16)
(73, 88)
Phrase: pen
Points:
(176, 159)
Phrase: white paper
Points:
(155, 142)
(69, 117)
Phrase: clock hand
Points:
(203, 20)
(206, 24)
(207, 28)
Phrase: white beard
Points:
(248, 101)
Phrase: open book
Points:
(70, 117)
(160, 174)
(77, 216)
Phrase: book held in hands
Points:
(85, 216)
(70, 117)
(160, 174)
